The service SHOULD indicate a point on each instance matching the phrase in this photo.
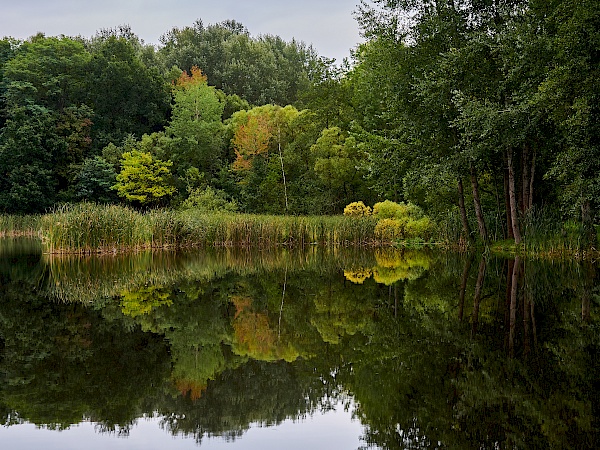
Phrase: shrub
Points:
(392, 210)
(421, 228)
(357, 209)
(389, 230)
(209, 199)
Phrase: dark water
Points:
(315, 349)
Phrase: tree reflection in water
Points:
(432, 350)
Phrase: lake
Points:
(313, 348)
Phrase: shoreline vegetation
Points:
(88, 228)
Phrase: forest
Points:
(483, 113)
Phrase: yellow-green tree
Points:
(144, 180)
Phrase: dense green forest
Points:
(485, 113)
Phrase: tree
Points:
(144, 180)
(95, 180)
(262, 70)
(195, 127)
(571, 91)
(127, 96)
(28, 144)
(251, 139)
(338, 166)
(47, 128)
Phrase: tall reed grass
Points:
(13, 225)
(91, 228)
(544, 233)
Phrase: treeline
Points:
(483, 113)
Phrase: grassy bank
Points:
(89, 228)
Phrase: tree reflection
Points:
(450, 351)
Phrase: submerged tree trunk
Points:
(477, 296)
(463, 287)
(509, 271)
(463, 211)
(514, 292)
(513, 197)
(478, 209)
(526, 321)
(589, 273)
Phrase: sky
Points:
(329, 25)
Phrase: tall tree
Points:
(47, 126)
(195, 128)
(127, 96)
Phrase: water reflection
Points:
(426, 350)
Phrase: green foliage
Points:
(126, 95)
(392, 210)
(208, 199)
(420, 228)
(262, 70)
(389, 230)
(95, 180)
(144, 180)
(338, 166)
(401, 221)
(195, 127)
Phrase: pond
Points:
(313, 348)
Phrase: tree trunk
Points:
(531, 178)
(463, 211)
(513, 198)
(525, 183)
(509, 228)
(478, 209)
(282, 169)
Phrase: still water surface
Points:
(341, 349)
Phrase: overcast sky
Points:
(327, 24)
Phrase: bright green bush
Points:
(357, 209)
(392, 210)
(401, 221)
(420, 228)
(209, 199)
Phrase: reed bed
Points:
(88, 228)
(545, 235)
(14, 225)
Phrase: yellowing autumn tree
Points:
(250, 139)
